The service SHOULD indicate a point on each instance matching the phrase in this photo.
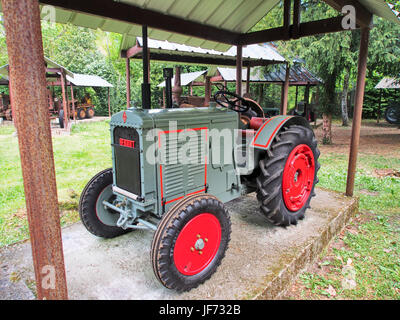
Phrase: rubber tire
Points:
(61, 119)
(269, 182)
(87, 206)
(79, 115)
(88, 114)
(167, 233)
(388, 110)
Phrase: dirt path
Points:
(377, 139)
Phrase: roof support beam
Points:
(153, 19)
(305, 29)
(157, 56)
(130, 53)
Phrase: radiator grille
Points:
(179, 178)
(127, 160)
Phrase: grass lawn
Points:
(363, 262)
(366, 254)
(77, 158)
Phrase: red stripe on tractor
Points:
(272, 135)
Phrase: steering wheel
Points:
(220, 86)
(231, 101)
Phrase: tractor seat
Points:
(256, 123)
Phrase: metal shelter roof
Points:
(298, 75)
(86, 80)
(186, 78)
(79, 80)
(168, 51)
(232, 18)
(388, 83)
(49, 63)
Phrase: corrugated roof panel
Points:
(86, 80)
(186, 78)
(87, 21)
(184, 7)
(388, 83)
(298, 74)
(381, 8)
(252, 52)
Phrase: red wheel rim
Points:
(197, 244)
(298, 177)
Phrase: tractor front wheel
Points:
(288, 175)
(98, 219)
(190, 242)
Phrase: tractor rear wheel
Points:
(61, 118)
(81, 113)
(89, 113)
(98, 219)
(9, 116)
(190, 242)
(288, 175)
(392, 114)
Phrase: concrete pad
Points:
(261, 262)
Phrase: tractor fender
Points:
(269, 130)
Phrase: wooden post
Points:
(285, 92)
(64, 102)
(73, 102)
(248, 80)
(177, 88)
(380, 106)
(358, 106)
(128, 83)
(25, 55)
(207, 91)
(239, 63)
(163, 97)
(297, 95)
(109, 103)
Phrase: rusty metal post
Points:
(64, 97)
(285, 92)
(357, 116)
(207, 91)
(73, 102)
(379, 107)
(248, 80)
(163, 98)
(177, 88)
(25, 54)
(239, 66)
(128, 83)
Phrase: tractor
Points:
(175, 168)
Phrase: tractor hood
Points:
(156, 118)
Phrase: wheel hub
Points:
(298, 177)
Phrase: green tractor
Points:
(174, 168)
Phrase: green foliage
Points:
(332, 56)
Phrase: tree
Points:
(333, 57)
